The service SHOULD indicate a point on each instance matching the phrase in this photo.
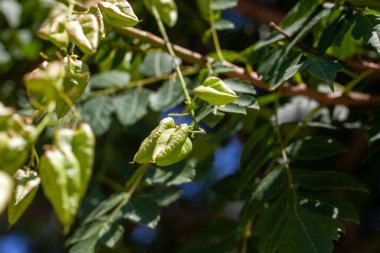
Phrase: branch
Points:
(351, 98)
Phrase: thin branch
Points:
(351, 98)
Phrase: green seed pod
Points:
(215, 92)
(167, 9)
(172, 146)
(83, 146)
(13, 151)
(44, 84)
(6, 189)
(78, 145)
(145, 152)
(118, 13)
(27, 183)
(84, 32)
(53, 28)
(75, 82)
(60, 179)
(176, 156)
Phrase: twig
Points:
(351, 98)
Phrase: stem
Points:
(169, 47)
(357, 80)
(282, 150)
(131, 187)
(45, 121)
(246, 235)
(214, 34)
(71, 105)
(139, 83)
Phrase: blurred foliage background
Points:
(39, 232)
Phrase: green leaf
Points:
(218, 237)
(166, 196)
(232, 108)
(314, 147)
(90, 245)
(169, 95)
(27, 183)
(6, 189)
(111, 234)
(98, 113)
(367, 27)
(175, 175)
(223, 4)
(131, 105)
(142, 210)
(86, 231)
(330, 206)
(268, 187)
(323, 69)
(320, 180)
(240, 86)
(223, 24)
(156, 63)
(105, 206)
(113, 78)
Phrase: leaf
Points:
(314, 147)
(27, 183)
(223, 4)
(367, 27)
(105, 206)
(113, 78)
(169, 95)
(323, 69)
(319, 180)
(6, 189)
(220, 236)
(240, 86)
(98, 113)
(223, 24)
(232, 108)
(166, 196)
(175, 175)
(86, 231)
(90, 245)
(270, 185)
(330, 206)
(288, 228)
(131, 105)
(142, 210)
(156, 63)
(111, 234)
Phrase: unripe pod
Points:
(84, 32)
(145, 152)
(215, 91)
(44, 84)
(118, 13)
(172, 146)
(6, 188)
(54, 29)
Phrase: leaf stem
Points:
(169, 47)
(214, 34)
(45, 121)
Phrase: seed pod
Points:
(145, 152)
(167, 9)
(172, 146)
(75, 82)
(118, 13)
(44, 84)
(78, 146)
(27, 183)
(215, 92)
(60, 178)
(54, 28)
(84, 32)
(13, 151)
(6, 189)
